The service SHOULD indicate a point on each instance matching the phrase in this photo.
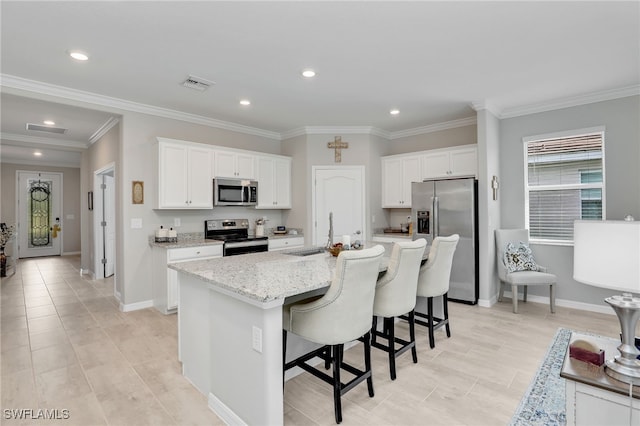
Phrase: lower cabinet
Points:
(285, 243)
(165, 280)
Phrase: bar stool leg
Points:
(445, 308)
(367, 362)
(284, 354)
(337, 361)
(412, 335)
(432, 341)
(388, 325)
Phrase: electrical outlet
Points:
(257, 339)
(176, 222)
(373, 218)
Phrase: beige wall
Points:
(136, 162)
(103, 153)
(70, 200)
(466, 135)
(296, 148)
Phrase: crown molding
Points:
(434, 128)
(19, 83)
(335, 130)
(8, 138)
(107, 101)
(108, 125)
(571, 101)
(71, 165)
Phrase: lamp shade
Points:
(607, 254)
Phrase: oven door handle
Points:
(246, 244)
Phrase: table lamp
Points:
(607, 255)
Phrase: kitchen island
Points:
(230, 326)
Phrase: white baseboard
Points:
(225, 413)
(602, 309)
(71, 253)
(136, 306)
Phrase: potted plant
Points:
(6, 233)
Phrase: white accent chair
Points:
(342, 315)
(396, 296)
(433, 281)
(520, 278)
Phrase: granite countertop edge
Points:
(267, 278)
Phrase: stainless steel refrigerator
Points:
(445, 207)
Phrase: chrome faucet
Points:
(330, 241)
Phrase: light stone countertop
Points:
(263, 278)
(186, 240)
(197, 239)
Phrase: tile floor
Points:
(66, 346)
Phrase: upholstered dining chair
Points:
(342, 315)
(433, 281)
(526, 271)
(396, 296)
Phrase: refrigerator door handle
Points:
(435, 213)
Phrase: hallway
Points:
(66, 346)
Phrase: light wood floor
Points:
(66, 346)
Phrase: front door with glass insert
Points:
(39, 214)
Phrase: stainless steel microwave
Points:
(235, 192)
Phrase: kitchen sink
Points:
(306, 251)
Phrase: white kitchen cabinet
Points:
(274, 182)
(165, 280)
(397, 175)
(283, 243)
(452, 162)
(184, 176)
(232, 164)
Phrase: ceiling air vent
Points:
(197, 83)
(48, 129)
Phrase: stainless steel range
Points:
(235, 234)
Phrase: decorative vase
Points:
(3, 263)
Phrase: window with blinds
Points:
(564, 182)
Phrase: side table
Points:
(592, 396)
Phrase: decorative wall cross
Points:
(338, 146)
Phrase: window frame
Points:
(527, 188)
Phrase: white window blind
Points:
(564, 182)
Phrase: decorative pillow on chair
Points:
(519, 258)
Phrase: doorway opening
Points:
(104, 223)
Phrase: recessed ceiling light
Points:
(308, 73)
(37, 153)
(77, 55)
(49, 122)
(245, 102)
(394, 112)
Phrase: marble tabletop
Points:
(269, 276)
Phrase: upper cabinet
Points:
(450, 163)
(397, 175)
(186, 171)
(231, 164)
(398, 171)
(274, 182)
(184, 176)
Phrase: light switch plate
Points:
(257, 339)
(176, 222)
(136, 223)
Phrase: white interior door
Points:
(39, 214)
(109, 208)
(104, 228)
(338, 190)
